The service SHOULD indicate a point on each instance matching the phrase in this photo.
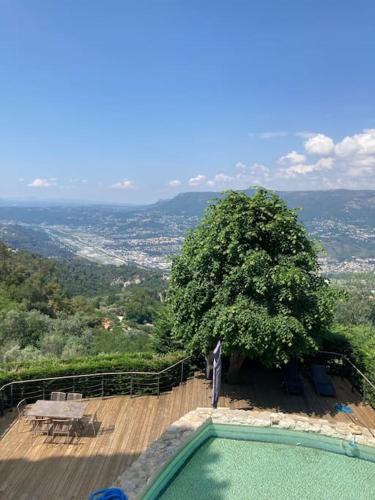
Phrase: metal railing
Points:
(358, 379)
(93, 385)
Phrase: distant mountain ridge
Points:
(338, 203)
(343, 220)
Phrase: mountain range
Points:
(343, 220)
(341, 204)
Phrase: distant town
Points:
(356, 265)
(149, 236)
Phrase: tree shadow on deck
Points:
(262, 388)
(74, 478)
(62, 477)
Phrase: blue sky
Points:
(133, 101)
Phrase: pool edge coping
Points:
(140, 475)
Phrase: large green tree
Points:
(248, 275)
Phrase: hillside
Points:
(73, 308)
(342, 205)
(342, 220)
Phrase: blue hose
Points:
(108, 494)
(339, 407)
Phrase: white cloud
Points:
(319, 144)
(273, 135)
(304, 134)
(221, 181)
(356, 171)
(350, 163)
(175, 183)
(77, 180)
(297, 169)
(292, 157)
(243, 177)
(356, 154)
(360, 145)
(254, 169)
(124, 184)
(303, 169)
(42, 183)
(199, 180)
(325, 164)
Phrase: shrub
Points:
(357, 342)
(54, 367)
(92, 386)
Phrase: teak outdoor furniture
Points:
(73, 396)
(58, 396)
(57, 418)
(64, 427)
(73, 410)
(90, 421)
(21, 410)
(41, 426)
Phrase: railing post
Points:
(364, 392)
(2, 404)
(11, 392)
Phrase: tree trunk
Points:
(209, 365)
(235, 365)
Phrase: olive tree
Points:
(248, 275)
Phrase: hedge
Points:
(357, 342)
(53, 367)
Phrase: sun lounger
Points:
(292, 380)
(322, 381)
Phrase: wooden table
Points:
(57, 409)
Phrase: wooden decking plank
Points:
(39, 471)
(79, 473)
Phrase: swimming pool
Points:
(238, 462)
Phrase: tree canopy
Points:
(56, 309)
(248, 275)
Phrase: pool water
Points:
(229, 469)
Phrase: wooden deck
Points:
(42, 471)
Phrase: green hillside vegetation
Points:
(81, 277)
(33, 240)
(56, 310)
(53, 367)
(358, 306)
(6, 303)
(354, 329)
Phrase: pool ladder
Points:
(351, 447)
